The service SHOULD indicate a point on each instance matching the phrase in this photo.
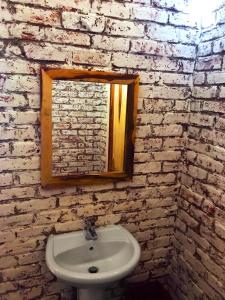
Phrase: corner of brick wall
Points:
(198, 266)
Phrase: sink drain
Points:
(93, 269)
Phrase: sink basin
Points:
(91, 264)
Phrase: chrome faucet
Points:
(90, 232)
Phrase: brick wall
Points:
(198, 266)
(156, 39)
(80, 127)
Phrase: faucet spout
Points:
(90, 231)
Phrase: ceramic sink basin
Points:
(82, 263)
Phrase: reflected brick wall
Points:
(80, 127)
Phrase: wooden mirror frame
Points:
(47, 75)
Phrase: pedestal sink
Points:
(92, 265)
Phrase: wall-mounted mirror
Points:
(87, 126)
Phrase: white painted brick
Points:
(21, 83)
(69, 226)
(205, 48)
(34, 15)
(209, 163)
(215, 77)
(212, 238)
(83, 5)
(12, 50)
(66, 37)
(28, 177)
(142, 145)
(124, 28)
(180, 5)
(163, 92)
(4, 30)
(110, 43)
(131, 60)
(174, 143)
(197, 172)
(209, 63)
(1, 45)
(110, 196)
(6, 179)
(4, 149)
(149, 14)
(17, 192)
(27, 117)
(91, 22)
(214, 106)
(91, 57)
(18, 66)
(158, 105)
(162, 48)
(37, 2)
(171, 167)
(4, 117)
(111, 9)
(198, 78)
(179, 19)
(198, 239)
(187, 219)
(27, 148)
(35, 205)
(171, 34)
(162, 179)
(220, 229)
(78, 199)
(219, 45)
(222, 92)
(201, 119)
(12, 100)
(204, 92)
(167, 155)
(46, 51)
(220, 15)
(19, 163)
(25, 31)
(146, 168)
(170, 118)
(18, 133)
(210, 265)
(6, 210)
(150, 119)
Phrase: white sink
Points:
(112, 256)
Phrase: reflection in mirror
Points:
(81, 127)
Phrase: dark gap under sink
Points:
(146, 291)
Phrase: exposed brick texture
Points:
(198, 268)
(80, 127)
(179, 149)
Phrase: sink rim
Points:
(96, 278)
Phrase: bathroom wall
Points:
(80, 116)
(155, 39)
(198, 267)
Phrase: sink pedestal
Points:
(90, 294)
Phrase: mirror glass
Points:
(88, 127)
